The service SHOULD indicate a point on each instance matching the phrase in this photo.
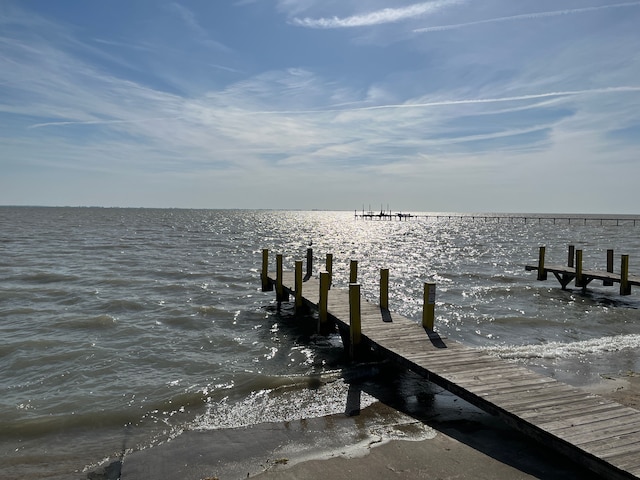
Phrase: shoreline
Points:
(457, 440)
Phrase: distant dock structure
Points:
(382, 215)
(560, 219)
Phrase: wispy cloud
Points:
(525, 16)
(377, 17)
(453, 102)
(192, 23)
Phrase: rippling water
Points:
(120, 328)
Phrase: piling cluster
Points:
(324, 287)
(575, 270)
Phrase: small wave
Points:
(43, 425)
(212, 311)
(278, 405)
(554, 350)
(49, 277)
(88, 323)
(120, 305)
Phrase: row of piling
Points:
(582, 279)
(325, 284)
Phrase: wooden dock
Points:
(574, 271)
(597, 433)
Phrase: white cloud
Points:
(377, 17)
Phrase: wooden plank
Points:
(527, 402)
(528, 399)
(615, 445)
(494, 391)
(553, 413)
(488, 374)
(629, 462)
(590, 421)
(516, 381)
(452, 365)
(581, 428)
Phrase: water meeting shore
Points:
(458, 442)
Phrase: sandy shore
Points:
(453, 440)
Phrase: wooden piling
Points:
(281, 295)
(428, 308)
(324, 297)
(625, 288)
(579, 281)
(355, 320)
(353, 271)
(542, 273)
(571, 256)
(329, 267)
(384, 288)
(608, 283)
(298, 285)
(264, 276)
(309, 262)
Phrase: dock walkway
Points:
(595, 432)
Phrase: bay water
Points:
(120, 329)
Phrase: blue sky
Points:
(444, 105)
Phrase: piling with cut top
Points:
(353, 271)
(428, 309)
(329, 267)
(625, 288)
(324, 298)
(298, 285)
(281, 295)
(384, 288)
(579, 281)
(571, 256)
(355, 320)
(542, 273)
(309, 262)
(608, 283)
(264, 276)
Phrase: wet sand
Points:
(451, 440)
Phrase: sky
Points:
(441, 105)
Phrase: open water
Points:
(122, 328)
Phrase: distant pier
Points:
(515, 218)
(597, 433)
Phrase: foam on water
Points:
(556, 350)
(324, 395)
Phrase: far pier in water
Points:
(502, 217)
